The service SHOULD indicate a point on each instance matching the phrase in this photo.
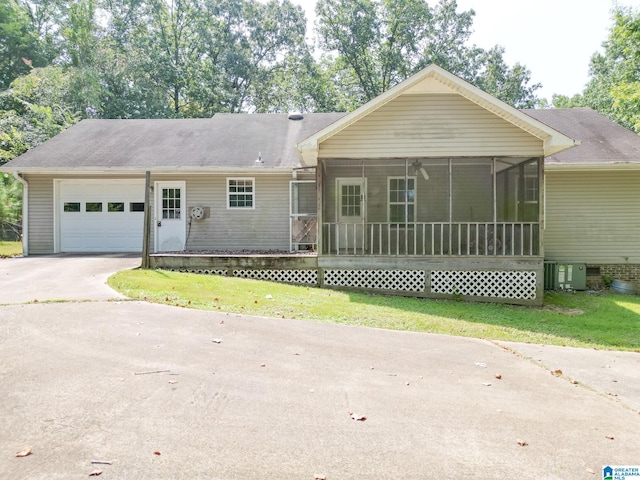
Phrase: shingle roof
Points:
(233, 141)
(223, 141)
(603, 142)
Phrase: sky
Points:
(554, 39)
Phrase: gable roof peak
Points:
(435, 79)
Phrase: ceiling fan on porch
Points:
(417, 167)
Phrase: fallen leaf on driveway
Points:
(24, 452)
(610, 437)
(217, 340)
(319, 477)
(557, 372)
(498, 376)
(522, 443)
(358, 418)
(157, 453)
(95, 473)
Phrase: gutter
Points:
(25, 213)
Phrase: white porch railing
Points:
(432, 238)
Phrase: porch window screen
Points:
(402, 191)
(531, 183)
(517, 191)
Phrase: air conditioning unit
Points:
(570, 276)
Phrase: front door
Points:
(170, 220)
(352, 193)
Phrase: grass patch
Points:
(10, 249)
(600, 320)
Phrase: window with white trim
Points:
(402, 199)
(240, 193)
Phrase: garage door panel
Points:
(94, 228)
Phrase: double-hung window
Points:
(402, 199)
(240, 193)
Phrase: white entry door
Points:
(352, 193)
(170, 216)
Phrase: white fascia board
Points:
(155, 171)
(600, 167)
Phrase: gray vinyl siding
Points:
(265, 227)
(592, 217)
(40, 215)
(430, 125)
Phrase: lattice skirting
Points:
(201, 271)
(496, 283)
(520, 285)
(399, 280)
(304, 277)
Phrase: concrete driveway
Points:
(61, 277)
(163, 393)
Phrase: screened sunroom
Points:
(430, 207)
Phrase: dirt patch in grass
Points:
(565, 311)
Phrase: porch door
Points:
(170, 218)
(351, 193)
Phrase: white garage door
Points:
(101, 216)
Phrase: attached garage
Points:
(99, 215)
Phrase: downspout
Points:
(25, 213)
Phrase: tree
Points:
(35, 108)
(10, 207)
(20, 47)
(172, 46)
(250, 48)
(614, 84)
(379, 43)
(510, 84)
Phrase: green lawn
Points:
(10, 249)
(599, 320)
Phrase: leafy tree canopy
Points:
(379, 43)
(614, 74)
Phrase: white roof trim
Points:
(585, 167)
(154, 171)
(438, 80)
